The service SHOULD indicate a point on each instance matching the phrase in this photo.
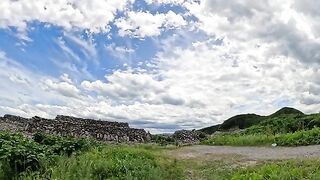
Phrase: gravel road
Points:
(252, 153)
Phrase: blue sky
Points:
(161, 65)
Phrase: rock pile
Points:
(187, 137)
(77, 127)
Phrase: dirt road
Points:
(252, 153)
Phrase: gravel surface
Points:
(253, 153)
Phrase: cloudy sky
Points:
(161, 65)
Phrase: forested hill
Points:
(244, 121)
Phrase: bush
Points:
(299, 138)
(162, 139)
(19, 154)
(63, 145)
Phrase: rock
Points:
(187, 136)
(77, 127)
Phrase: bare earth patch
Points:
(251, 153)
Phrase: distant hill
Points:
(210, 129)
(286, 111)
(244, 121)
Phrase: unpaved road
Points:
(252, 153)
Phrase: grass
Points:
(228, 168)
(55, 157)
(240, 140)
(292, 169)
(47, 157)
(209, 169)
(120, 162)
(298, 138)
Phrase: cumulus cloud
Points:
(286, 29)
(94, 15)
(244, 57)
(143, 24)
(64, 88)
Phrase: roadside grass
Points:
(240, 140)
(290, 169)
(225, 169)
(298, 138)
(206, 169)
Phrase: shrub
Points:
(299, 138)
(63, 145)
(19, 154)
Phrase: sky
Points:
(160, 65)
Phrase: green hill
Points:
(286, 111)
(241, 121)
(244, 121)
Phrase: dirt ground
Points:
(249, 153)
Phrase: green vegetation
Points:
(286, 127)
(298, 138)
(286, 119)
(240, 140)
(162, 139)
(228, 168)
(293, 169)
(54, 157)
(240, 121)
(121, 162)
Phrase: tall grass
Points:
(53, 157)
(121, 162)
(240, 140)
(298, 138)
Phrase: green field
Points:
(52, 157)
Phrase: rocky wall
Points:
(78, 127)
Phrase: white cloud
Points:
(283, 28)
(164, 1)
(63, 88)
(253, 57)
(143, 24)
(93, 15)
(119, 52)
(88, 47)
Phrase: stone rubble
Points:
(77, 127)
(187, 136)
